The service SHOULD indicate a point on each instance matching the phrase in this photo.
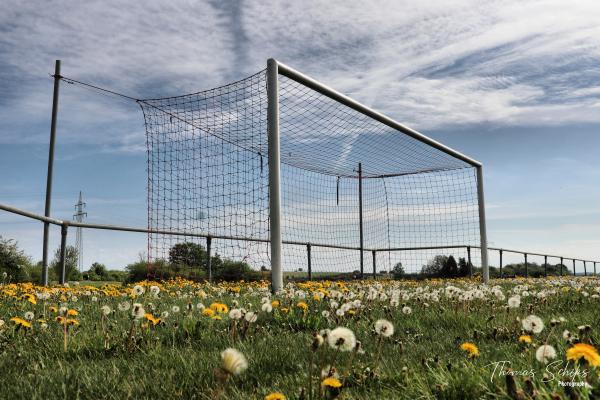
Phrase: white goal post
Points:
(274, 70)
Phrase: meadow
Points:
(453, 339)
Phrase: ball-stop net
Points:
(208, 173)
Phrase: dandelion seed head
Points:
(545, 353)
(234, 362)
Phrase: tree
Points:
(450, 268)
(435, 265)
(13, 260)
(398, 271)
(464, 269)
(99, 269)
(188, 254)
(71, 271)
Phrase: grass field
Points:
(449, 340)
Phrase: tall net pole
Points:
(50, 170)
(274, 174)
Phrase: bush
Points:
(13, 261)
(235, 271)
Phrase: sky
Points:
(512, 84)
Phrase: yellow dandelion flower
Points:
(302, 305)
(525, 339)
(30, 298)
(151, 318)
(284, 310)
(208, 312)
(331, 382)
(53, 309)
(20, 322)
(72, 313)
(585, 351)
(275, 396)
(275, 303)
(72, 322)
(470, 348)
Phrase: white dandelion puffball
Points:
(406, 310)
(567, 335)
(514, 301)
(164, 314)
(200, 306)
(105, 310)
(251, 317)
(138, 290)
(342, 339)
(325, 313)
(235, 313)
(137, 311)
(384, 327)
(545, 353)
(533, 324)
(154, 290)
(175, 309)
(234, 362)
(29, 315)
(124, 306)
(267, 307)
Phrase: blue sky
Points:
(513, 84)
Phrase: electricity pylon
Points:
(78, 216)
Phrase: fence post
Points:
(360, 220)
(63, 252)
(574, 273)
(526, 266)
(584, 268)
(57, 78)
(546, 266)
(594, 267)
(309, 256)
(209, 257)
(469, 261)
(374, 264)
(561, 266)
(274, 173)
(501, 276)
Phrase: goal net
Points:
(208, 173)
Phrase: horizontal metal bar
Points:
(28, 214)
(355, 105)
(59, 222)
(422, 248)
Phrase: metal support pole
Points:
(546, 266)
(274, 173)
(309, 256)
(63, 253)
(470, 264)
(374, 263)
(360, 220)
(501, 276)
(526, 266)
(49, 173)
(209, 257)
(594, 267)
(574, 273)
(561, 266)
(584, 268)
(482, 226)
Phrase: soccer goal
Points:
(287, 174)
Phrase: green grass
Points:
(177, 358)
